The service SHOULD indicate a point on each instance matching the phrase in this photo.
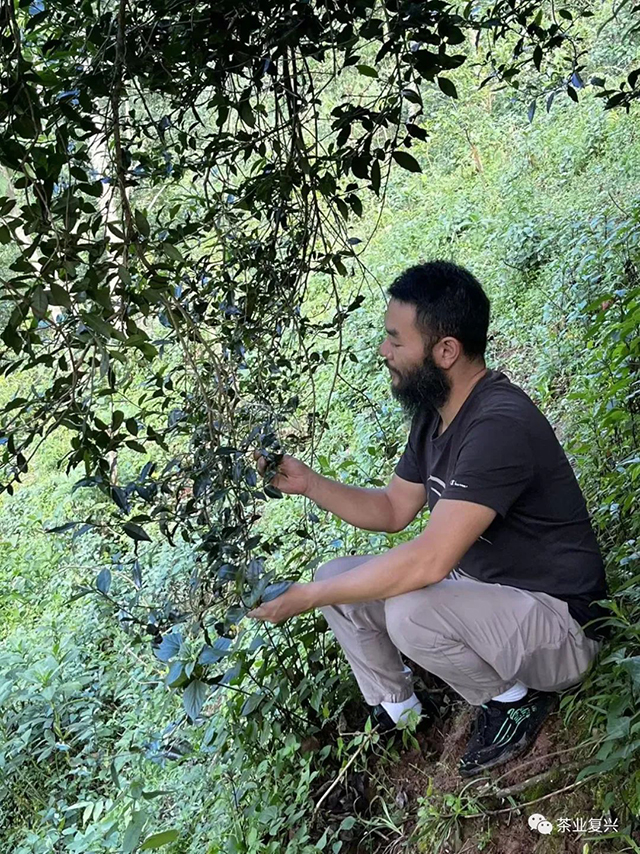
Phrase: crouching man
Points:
(494, 596)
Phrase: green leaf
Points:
(193, 698)
(103, 582)
(98, 324)
(367, 70)
(39, 302)
(601, 768)
(272, 491)
(407, 161)
(119, 497)
(59, 529)
(136, 446)
(227, 572)
(212, 654)
(632, 666)
(58, 295)
(375, 176)
(360, 166)
(176, 675)
(234, 615)
(169, 646)
(251, 703)
(136, 532)
(136, 574)
(321, 843)
(142, 223)
(159, 839)
(275, 590)
(95, 189)
(171, 252)
(447, 87)
(246, 113)
(537, 56)
(11, 338)
(133, 832)
(412, 96)
(356, 205)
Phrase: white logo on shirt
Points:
(455, 483)
(437, 480)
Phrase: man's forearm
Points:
(365, 508)
(408, 566)
(454, 526)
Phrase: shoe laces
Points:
(489, 718)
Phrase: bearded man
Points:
(498, 594)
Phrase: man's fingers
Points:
(260, 614)
(261, 462)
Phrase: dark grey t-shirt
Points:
(500, 451)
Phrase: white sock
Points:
(396, 710)
(516, 692)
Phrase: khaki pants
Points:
(478, 637)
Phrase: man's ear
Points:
(447, 352)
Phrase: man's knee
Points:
(408, 618)
(338, 565)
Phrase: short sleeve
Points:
(494, 464)
(407, 465)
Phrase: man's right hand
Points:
(293, 478)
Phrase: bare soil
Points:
(542, 781)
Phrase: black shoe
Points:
(432, 710)
(382, 720)
(503, 731)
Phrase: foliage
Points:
(181, 215)
(171, 193)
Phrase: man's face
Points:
(417, 382)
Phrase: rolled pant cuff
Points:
(374, 700)
(476, 699)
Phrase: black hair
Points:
(449, 300)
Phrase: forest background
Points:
(181, 287)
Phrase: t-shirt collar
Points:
(449, 431)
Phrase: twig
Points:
(117, 140)
(531, 781)
(544, 797)
(528, 803)
(343, 772)
(546, 756)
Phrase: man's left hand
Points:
(295, 601)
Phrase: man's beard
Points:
(424, 387)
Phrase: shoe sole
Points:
(519, 748)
